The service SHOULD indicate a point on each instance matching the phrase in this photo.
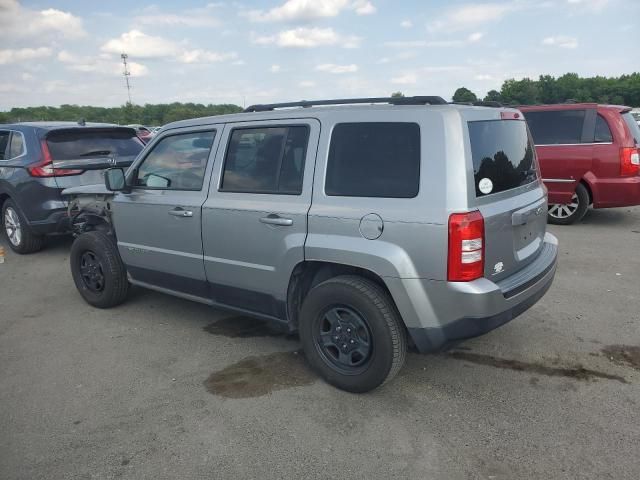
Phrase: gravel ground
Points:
(163, 388)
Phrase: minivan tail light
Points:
(629, 161)
(511, 116)
(44, 168)
(466, 247)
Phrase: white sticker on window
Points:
(485, 186)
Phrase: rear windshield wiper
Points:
(96, 152)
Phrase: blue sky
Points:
(277, 50)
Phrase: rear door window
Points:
(374, 160)
(503, 155)
(86, 143)
(556, 127)
(603, 132)
(4, 144)
(266, 160)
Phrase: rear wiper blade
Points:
(95, 153)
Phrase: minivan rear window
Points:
(559, 127)
(85, 143)
(503, 155)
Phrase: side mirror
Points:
(115, 180)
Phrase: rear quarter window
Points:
(374, 159)
(556, 127)
(633, 126)
(503, 155)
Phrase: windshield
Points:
(503, 155)
(85, 143)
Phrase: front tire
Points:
(574, 211)
(20, 237)
(352, 334)
(98, 271)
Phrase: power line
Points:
(126, 74)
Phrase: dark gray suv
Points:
(38, 160)
(363, 227)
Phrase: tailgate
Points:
(80, 155)
(509, 194)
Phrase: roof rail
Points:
(429, 100)
(488, 103)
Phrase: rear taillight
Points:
(44, 168)
(466, 247)
(629, 161)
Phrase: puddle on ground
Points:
(578, 373)
(625, 355)
(244, 327)
(257, 376)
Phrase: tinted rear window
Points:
(71, 145)
(503, 155)
(633, 126)
(556, 127)
(374, 160)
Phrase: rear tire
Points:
(98, 271)
(352, 334)
(17, 232)
(566, 214)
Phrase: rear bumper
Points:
(439, 314)
(56, 222)
(616, 192)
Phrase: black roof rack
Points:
(430, 100)
(481, 103)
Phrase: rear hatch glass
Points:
(89, 148)
(503, 160)
(503, 155)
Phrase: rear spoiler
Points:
(92, 163)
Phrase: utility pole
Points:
(126, 74)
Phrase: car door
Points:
(563, 140)
(254, 222)
(158, 223)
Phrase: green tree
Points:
(397, 94)
(464, 95)
(493, 96)
(522, 92)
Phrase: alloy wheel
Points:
(12, 226)
(91, 271)
(564, 210)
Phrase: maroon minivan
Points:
(589, 154)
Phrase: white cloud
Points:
(561, 41)
(472, 38)
(175, 20)
(333, 68)
(307, 84)
(473, 15)
(406, 24)
(475, 37)
(309, 10)
(483, 77)
(23, 54)
(140, 45)
(205, 56)
(406, 79)
(303, 37)
(274, 68)
(101, 65)
(19, 21)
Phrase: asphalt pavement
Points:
(162, 388)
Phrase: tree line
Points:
(623, 90)
(149, 114)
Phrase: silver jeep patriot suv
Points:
(366, 225)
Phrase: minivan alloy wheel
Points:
(12, 226)
(565, 210)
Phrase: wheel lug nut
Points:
(352, 341)
(336, 338)
(338, 328)
(348, 330)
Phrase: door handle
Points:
(273, 219)
(180, 212)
